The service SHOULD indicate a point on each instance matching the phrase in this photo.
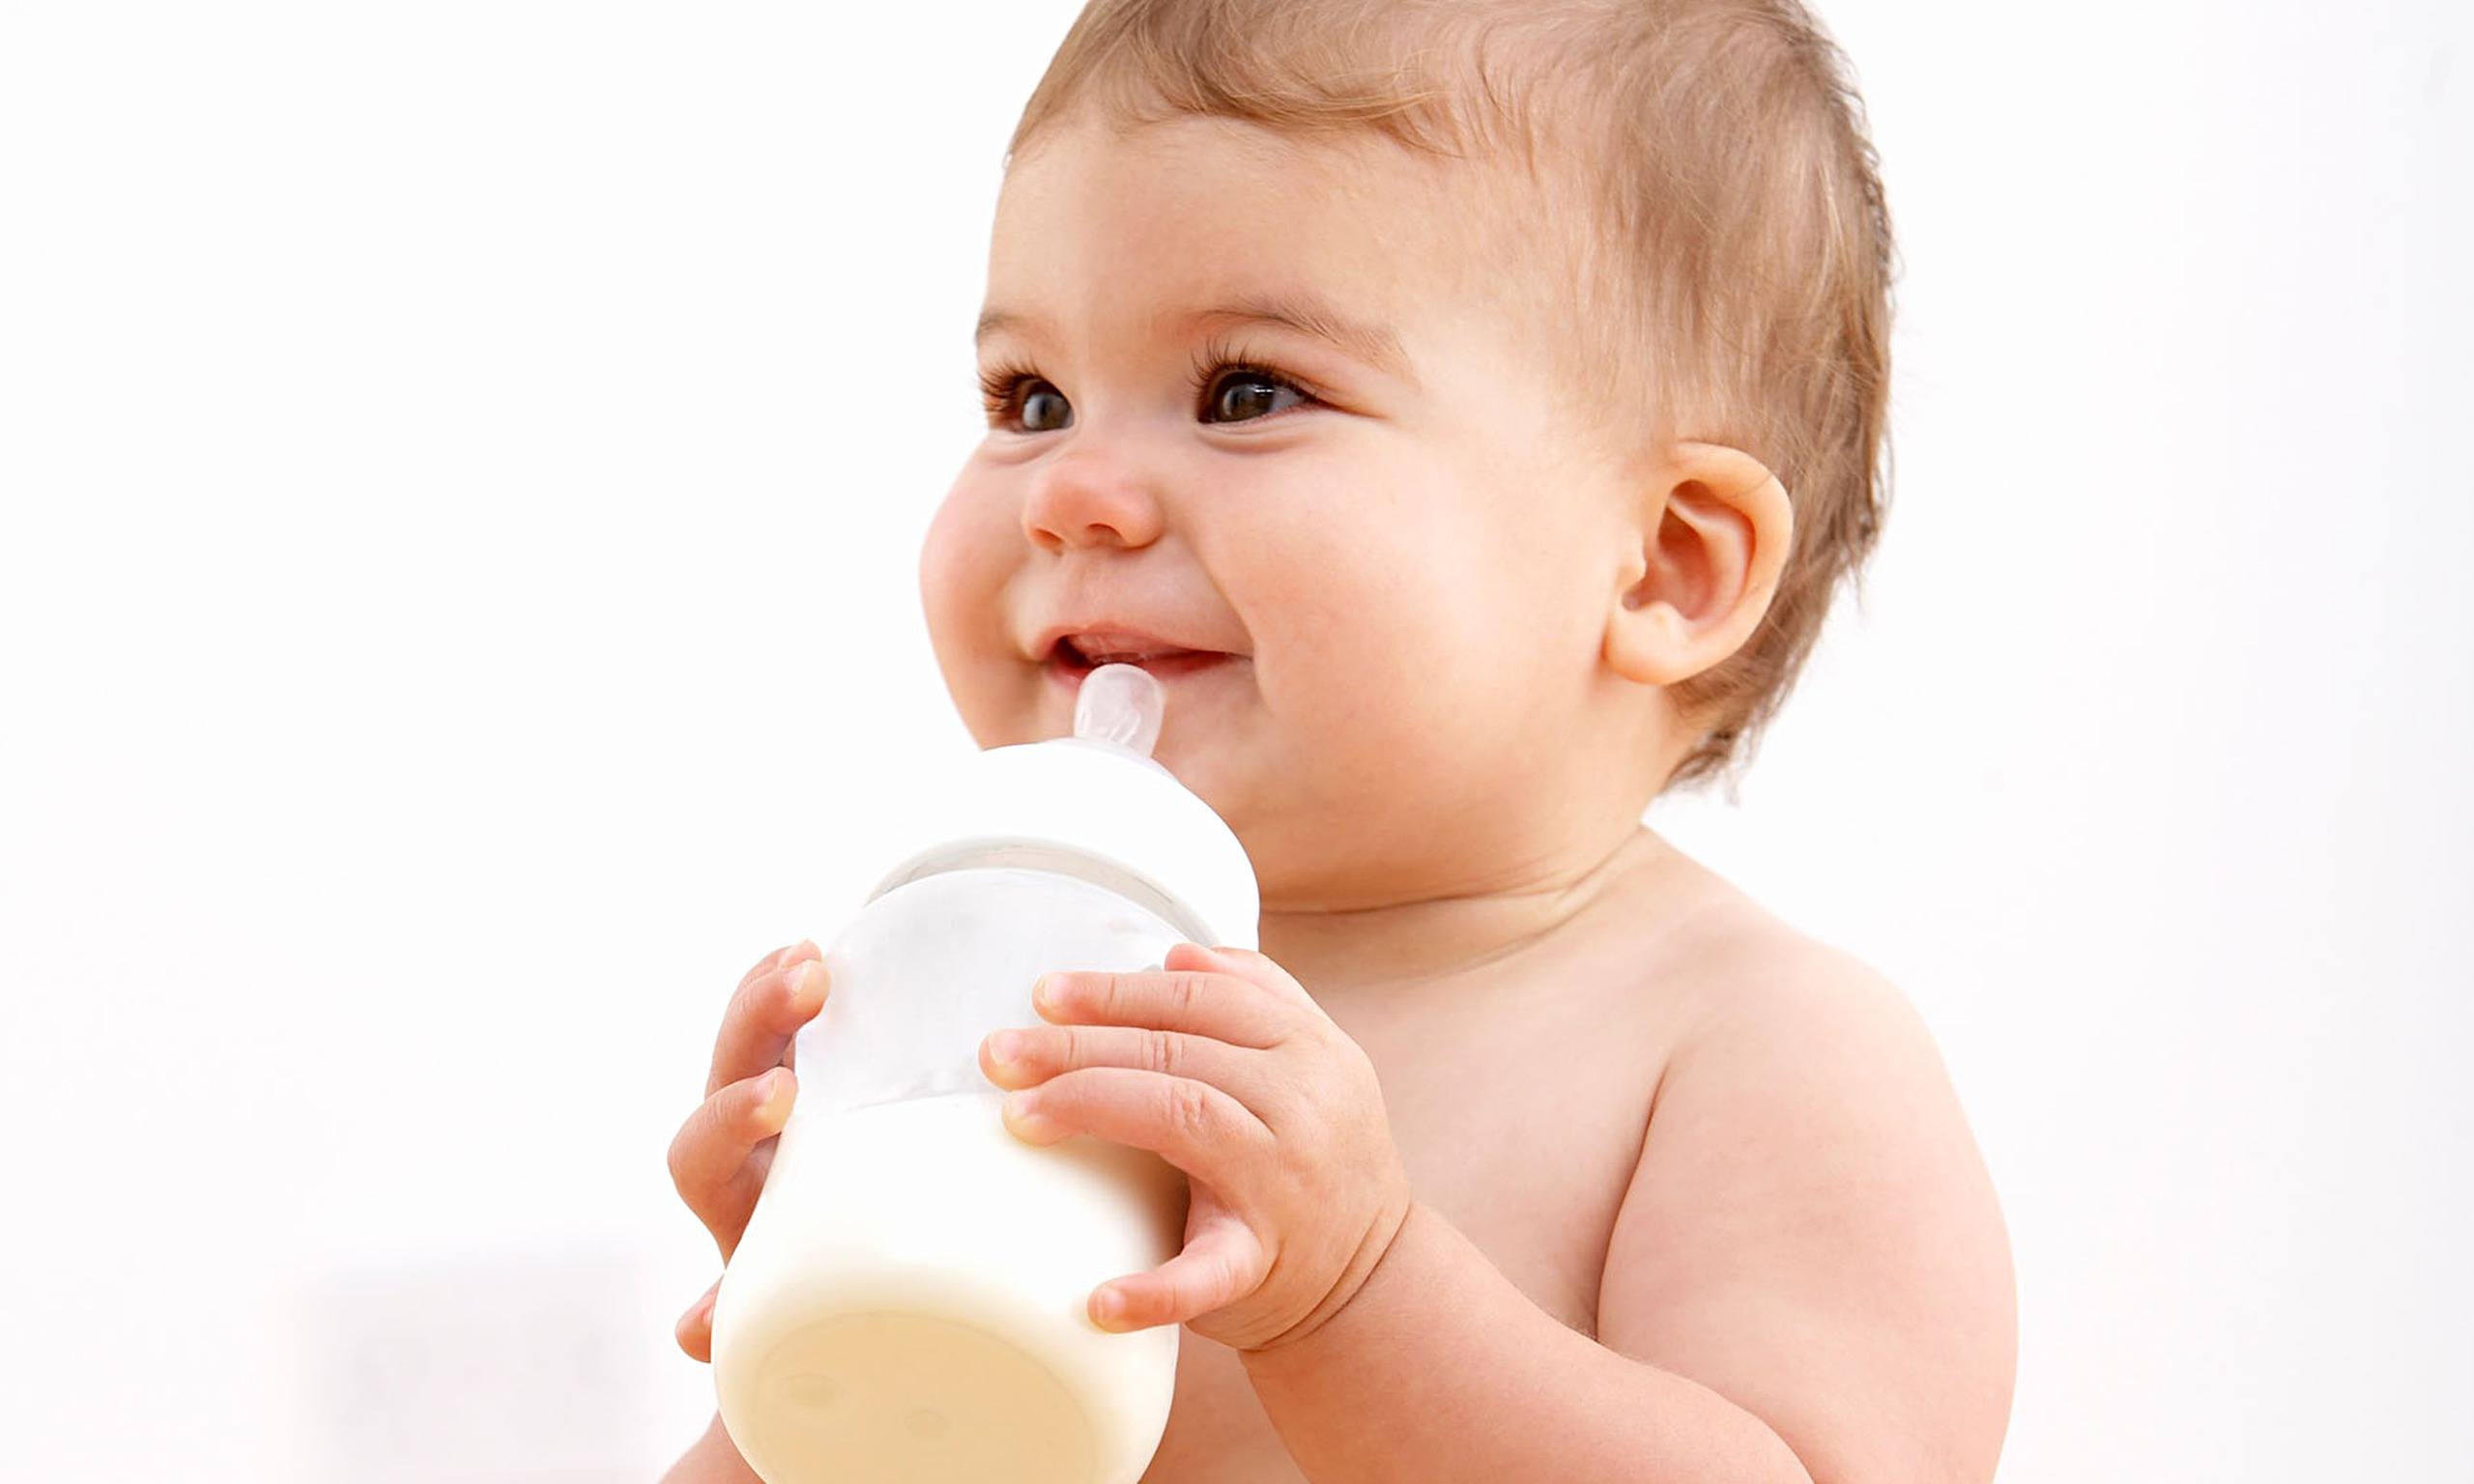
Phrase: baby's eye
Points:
(1244, 395)
(1043, 407)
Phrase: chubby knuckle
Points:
(1245, 1270)
(1282, 1092)
(742, 1004)
(777, 1007)
(756, 971)
(1187, 992)
(1328, 1108)
(683, 1159)
(770, 967)
(1221, 1272)
(1161, 1052)
(1065, 1048)
(1345, 1074)
(717, 1125)
(1256, 1269)
(1189, 1109)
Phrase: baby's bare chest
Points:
(1519, 1114)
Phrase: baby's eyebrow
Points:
(1308, 315)
(1305, 313)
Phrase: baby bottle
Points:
(909, 1305)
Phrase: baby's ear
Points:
(1700, 564)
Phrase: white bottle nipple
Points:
(1120, 705)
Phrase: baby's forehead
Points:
(1354, 219)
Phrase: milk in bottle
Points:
(909, 1303)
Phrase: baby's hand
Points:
(1222, 1064)
(719, 1158)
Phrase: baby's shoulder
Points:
(1735, 982)
(1792, 995)
(1766, 1034)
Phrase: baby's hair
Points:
(1722, 272)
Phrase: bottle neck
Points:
(1061, 860)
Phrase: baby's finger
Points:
(1027, 1056)
(1191, 1125)
(1224, 1006)
(773, 960)
(709, 1161)
(695, 1328)
(1224, 1262)
(768, 1008)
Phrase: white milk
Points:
(910, 1304)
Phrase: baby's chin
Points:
(1314, 837)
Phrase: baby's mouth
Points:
(1069, 662)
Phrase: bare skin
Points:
(1694, 1188)
(1467, 1110)
(1520, 1090)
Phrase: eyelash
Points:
(998, 384)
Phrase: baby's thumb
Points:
(694, 1329)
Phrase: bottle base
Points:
(908, 1398)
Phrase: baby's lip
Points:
(1069, 669)
(1112, 648)
(1098, 640)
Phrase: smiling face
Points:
(1267, 399)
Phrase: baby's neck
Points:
(1401, 944)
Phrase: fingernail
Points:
(802, 980)
(1021, 1113)
(1005, 1047)
(1106, 1308)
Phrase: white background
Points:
(463, 469)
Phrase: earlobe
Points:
(1701, 566)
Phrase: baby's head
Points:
(1497, 387)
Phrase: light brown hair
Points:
(1719, 251)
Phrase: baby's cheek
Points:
(964, 564)
(960, 558)
(940, 553)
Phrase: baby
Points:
(1468, 410)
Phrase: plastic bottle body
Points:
(909, 1305)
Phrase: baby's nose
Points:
(1085, 498)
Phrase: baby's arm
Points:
(1807, 1279)
(1811, 1232)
